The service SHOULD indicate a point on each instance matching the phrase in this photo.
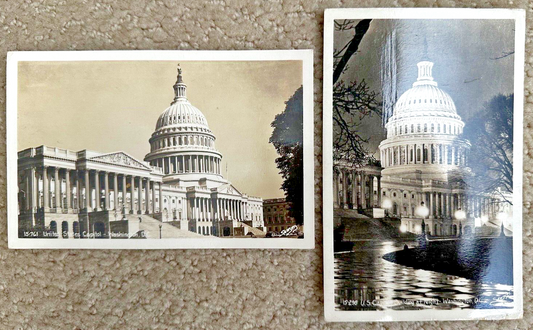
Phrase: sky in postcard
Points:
(472, 60)
(114, 106)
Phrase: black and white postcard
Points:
(160, 149)
(423, 138)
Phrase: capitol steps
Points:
(256, 231)
(150, 228)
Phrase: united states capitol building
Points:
(178, 190)
(422, 167)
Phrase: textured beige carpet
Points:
(192, 289)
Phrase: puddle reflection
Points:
(366, 281)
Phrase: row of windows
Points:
(440, 154)
(446, 129)
(435, 101)
(278, 219)
(185, 140)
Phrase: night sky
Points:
(466, 56)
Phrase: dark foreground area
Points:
(489, 260)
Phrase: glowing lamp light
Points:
(484, 219)
(403, 228)
(477, 222)
(418, 229)
(460, 215)
(422, 211)
(386, 203)
(502, 217)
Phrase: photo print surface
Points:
(423, 175)
(114, 150)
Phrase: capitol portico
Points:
(422, 170)
(177, 191)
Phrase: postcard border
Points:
(304, 55)
(332, 315)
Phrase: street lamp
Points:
(160, 234)
(422, 211)
(460, 215)
(502, 217)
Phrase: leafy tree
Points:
(491, 156)
(287, 138)
(353, 100)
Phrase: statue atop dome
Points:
(180, 89)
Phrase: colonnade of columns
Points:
(446, 154)
(356, 188)
(443, 204)
(188, 164)
(56, 189)
(208, 209)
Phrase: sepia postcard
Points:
(160, 149)
(423, 139)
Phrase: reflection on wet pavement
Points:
(366, 281)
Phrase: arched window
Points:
(444, 128)
(76, 229)
(53, 227)
(432, 128)
(400, 130)
(438, 128)
(425, 127)
(418, 128)
(417, 155)
(64, 229)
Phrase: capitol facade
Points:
(178, 190)
(420, 177)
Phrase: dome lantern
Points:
(424, 74)
(180, 89)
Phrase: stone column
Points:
(46, 189)
(379, 192)
(97, 188)
(354, 190)
(79, 204)
(344, 189)
(88, 195)
(132, 194)
(140, 196)
(106, 189)
(34, 189)
(431, 205)
(115, 192)
(371, 192)
(147, 196)
(57, 188)
(453, 155)
(124, 192)
(153, 197)
(430, 153)
(160, 197)
(68, 189)
(197, 209)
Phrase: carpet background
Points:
(226, 289)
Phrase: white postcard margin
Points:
(304, 55)
(330, 313)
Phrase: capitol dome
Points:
(182, 113)
(425, 98)
(182, 141)
(424, 128)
